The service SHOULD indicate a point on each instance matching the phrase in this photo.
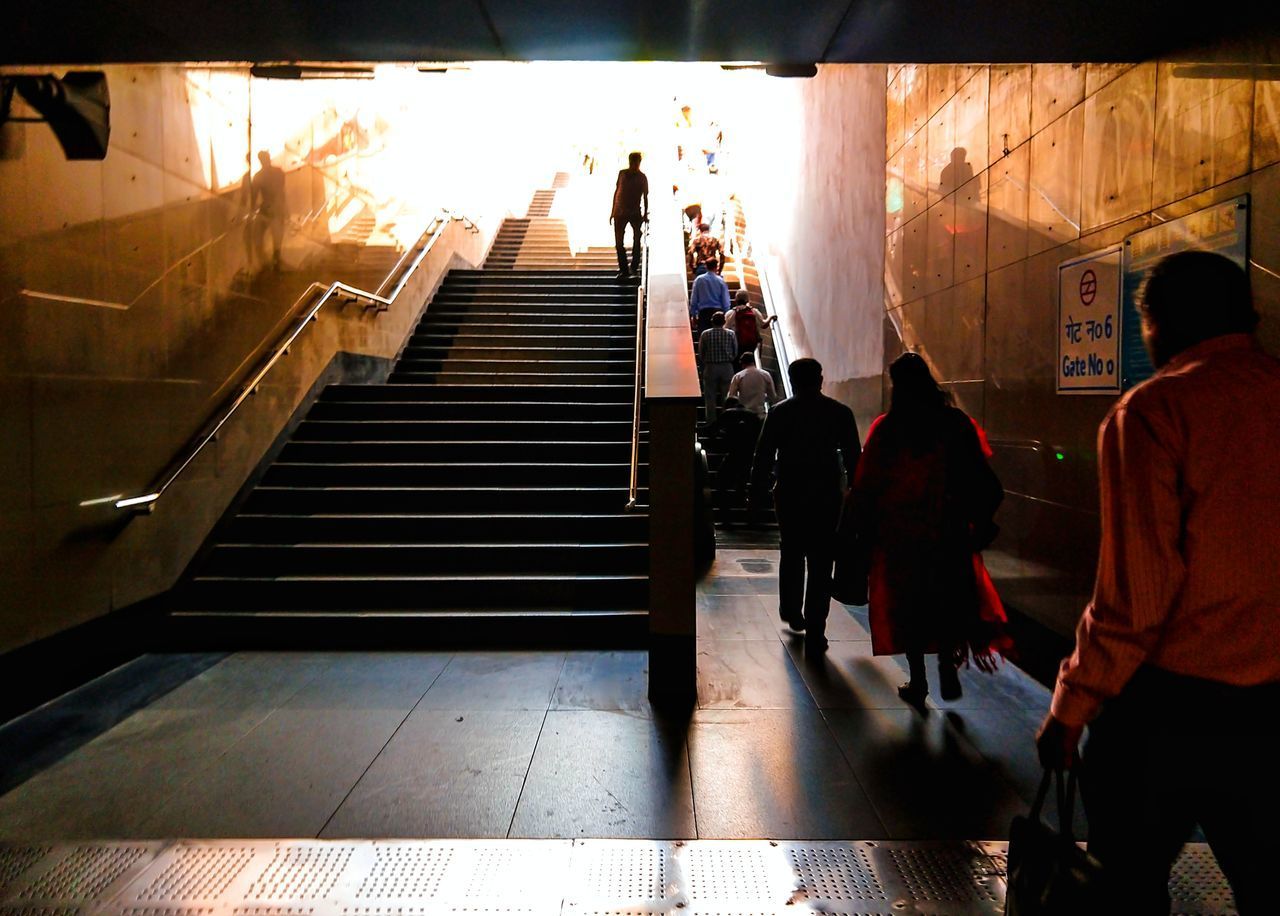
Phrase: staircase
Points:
(735, 527)
(477, 495)
(538, 242)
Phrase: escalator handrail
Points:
(633, 486)
(144, 503)
(779, 336)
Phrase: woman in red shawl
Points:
(921, 506)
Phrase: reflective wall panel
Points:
(1065, 159)
(1119, 139)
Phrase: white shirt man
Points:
(753, 387)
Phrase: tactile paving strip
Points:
(1198, 886)
(622, 874)
(196, 873)
(71, 877)
(301, 872)
(410, 871)
(533, 878)
(835, 872)
(15, 860)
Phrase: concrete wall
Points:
(807, 164)
(97, 397)
(997, 174)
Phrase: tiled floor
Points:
(556, 744)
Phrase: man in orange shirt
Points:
(1176, 668)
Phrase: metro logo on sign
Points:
(1088, 287)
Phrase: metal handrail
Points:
(145, 502)
(633, 488)
(779, 336)
(747, 253)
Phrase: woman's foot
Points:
(914, 693)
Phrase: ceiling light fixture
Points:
(310, 72)
(786, 71)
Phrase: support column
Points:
(672, 615)
(672, 393)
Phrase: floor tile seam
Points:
(787, 643)
(693, 790)
(875, 809)
(374, 759)
(524, 783)
(180, 790)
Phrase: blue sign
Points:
(1222, 228)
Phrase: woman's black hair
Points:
(915, 390)
(915, 405)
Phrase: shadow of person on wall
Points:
(267, 201)
(956, 172)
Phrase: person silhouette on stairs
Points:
(630, 208)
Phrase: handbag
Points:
(1049, 875)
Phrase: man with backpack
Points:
(746, 322)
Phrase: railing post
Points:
(672, 392)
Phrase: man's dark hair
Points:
(805, 375)
(1195, 295)
(746, 360)
(634, 159)
(704, 227)
(718, 319)
(742, 297)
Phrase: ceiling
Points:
(921, 31)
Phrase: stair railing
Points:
(145, 503)
(633, 488)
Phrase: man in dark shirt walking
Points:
(808, 435)
(630, 208)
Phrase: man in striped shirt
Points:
(1176, 668)
(717, 351)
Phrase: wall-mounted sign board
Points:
(1223, 228)
(1089, 323)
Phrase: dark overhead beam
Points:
(492, 27)
(871, 31)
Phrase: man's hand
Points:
(1058, 743)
